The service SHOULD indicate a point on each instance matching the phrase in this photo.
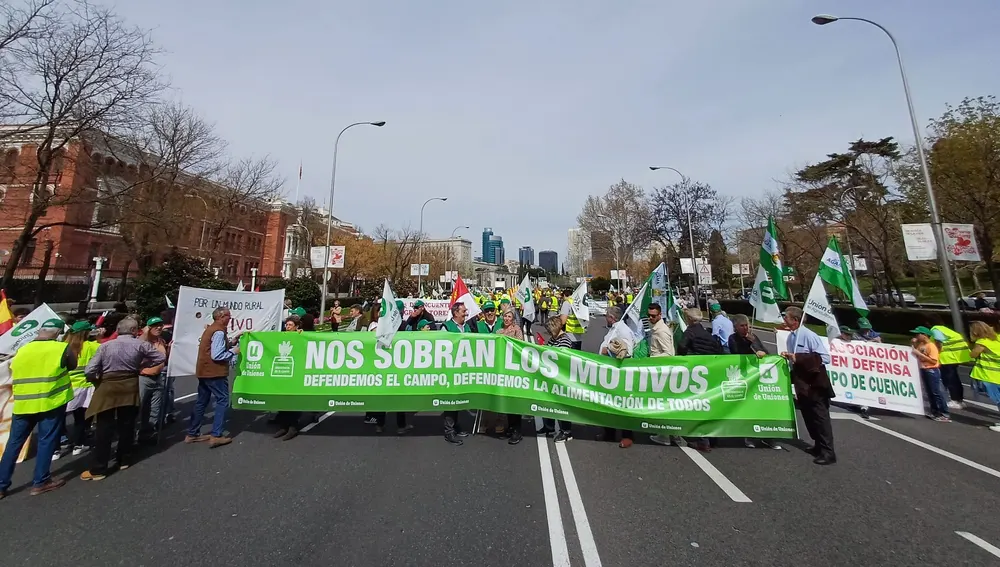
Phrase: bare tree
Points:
(172, 151)
(89, 72)
(26, 21)
(398, 249)
(671, 206)
(238, 199)
(618, 222)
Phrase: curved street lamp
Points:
(420, 244)
(448, 256)
(694, 263)
(949, 288)
(329, 216)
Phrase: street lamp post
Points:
(204, 221)
(447, 260)
(949, 289)
(420, 243)
(694, 263)
(329, 217)
(614, 242)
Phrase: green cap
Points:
(418, 304)
(81, 326)
(299, 311)
(422, 323)
(504, 300)
(845, 329)
(864, 323)
(53, 324)
(714, 308)
(400, 305)
(490, 306)
(921, 330)
(154, 321)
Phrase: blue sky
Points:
(517, 110)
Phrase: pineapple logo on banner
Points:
(734, 389)
(283, 365)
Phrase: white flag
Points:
(762, 299)
(817, 306)
(170, 304)
(240, 286)
(389, 318)
(580, 308)
(527, 299)
(632, 318)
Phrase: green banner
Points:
(715, 396)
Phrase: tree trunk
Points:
(986, 250)
(43, 273)
(124, 280)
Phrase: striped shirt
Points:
(564, 340)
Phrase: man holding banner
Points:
(808, 357)
(457, 324)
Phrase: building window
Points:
(29, 253)
(105, 212)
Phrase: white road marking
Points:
(590, 556)
(185, 396)
(557, 535)
(318, 421)
(932, 448)
(982, 405)
(734, 493)
(982, 543)
(850, 416)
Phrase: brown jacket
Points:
(205, 367)
(810, 379)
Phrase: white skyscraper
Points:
(577, 251)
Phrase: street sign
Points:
(704, 274)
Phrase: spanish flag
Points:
(6, 317)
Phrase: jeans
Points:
(207, 389)
(949, 375)
(935, 392)
(49, 425)
(170, 395)
(120, 420)
(993, 391)
(150, 398)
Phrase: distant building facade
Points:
(548, 260)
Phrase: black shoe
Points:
(280, 433)
(813, 450)
(515, 438)
(563, 437)
(825, 460)
(865, 414)
(508, 433)
(544, 431)
(370, 421)
(292, 433)
(453, 440)
(462, 433)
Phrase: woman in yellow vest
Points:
(77, 340)
(986, 352)
(954, 351)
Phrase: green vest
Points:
(483, 328)
(954, 350)
(573, 325)
(87, 351)
(40, 382)
(987, 368)
(451, 327)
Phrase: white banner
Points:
(960, 242)
(420, 269)
(318, 253)
(619, 274)
(741, 269)
(687, 267)
(436, 307)
(251, 311)
(876, 375)
(26, 331)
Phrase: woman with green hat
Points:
(80, 342)
(151, 381)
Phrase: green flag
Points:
(770, 260)
(834, 271)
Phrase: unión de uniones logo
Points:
(244, 401)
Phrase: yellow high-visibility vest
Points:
(40, 382)
(987, 368)
(954, 350)
(573, 325)
(87, 351)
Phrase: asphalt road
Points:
(341, 495)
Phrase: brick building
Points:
(268, 236)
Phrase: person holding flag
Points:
(390, 320)
(528, 307)
(574, 315)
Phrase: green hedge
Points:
(884, 320)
